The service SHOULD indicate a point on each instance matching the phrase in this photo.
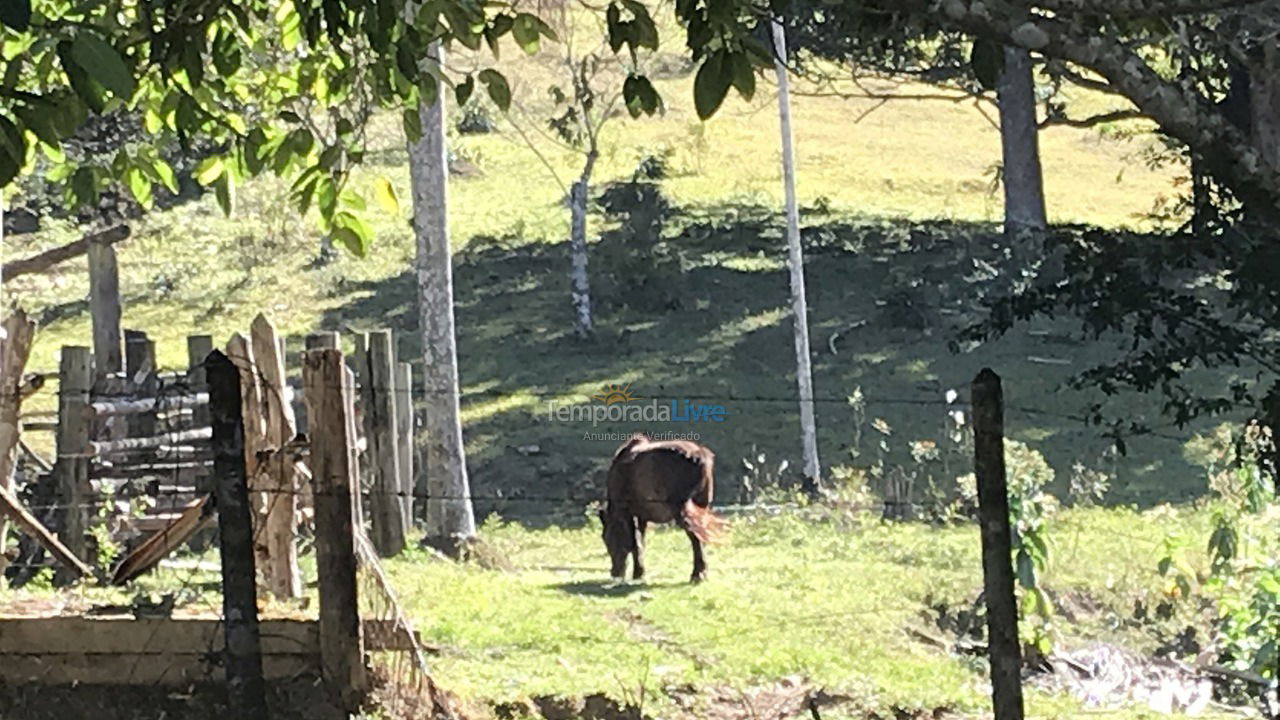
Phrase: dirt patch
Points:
(556, 707)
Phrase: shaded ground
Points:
(300, 699)
(883, 301)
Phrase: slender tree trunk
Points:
(799, 306)
(1264, 103)
(1023, 184)
(450, 518)
(578, 248)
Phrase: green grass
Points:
(826, 595)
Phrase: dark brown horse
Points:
(658, 481)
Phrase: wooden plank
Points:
(404, 438)
(15, 350)
(246, 689)
(140, 367)
(240, 351)
(328, 383)
(49, 258)
(1003, 649)
(386, 509)
(174, 534)
(105, 309)
(151, 404)
(12, 508)
(72, 467)
(167, 670)
(282, 573)
(126, 635)
(149, 443)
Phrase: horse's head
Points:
(619, 535)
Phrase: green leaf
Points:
(140, 186)
(167, 175)
(16, 14)
(428, 89)
(1164, 565)
(353, 233)
(13, 151)
(103, 63)
(462, 93)
(224, 191)
(351, 241)
(526, 33)
(209, 170)
(83, 85)
(385, 194)
(987, 61)
(326, 197)
(710, 85)
(1026, 570)
(84, 186)
(499, 90)
(353, 200)
(152, 121)
(39, 122)
(412, 125)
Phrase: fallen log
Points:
(47, 259)
(149, 443)
(134, 407)
(12, 507)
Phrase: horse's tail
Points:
(703, 523)
(703, 493)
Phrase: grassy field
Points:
(900, 204)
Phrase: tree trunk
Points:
(450, 519)
(578, 248)
(1023, 182)
(799, 305)
(1264, 103)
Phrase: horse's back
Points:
(656, 478)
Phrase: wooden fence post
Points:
(246, 689)
(140, 368)
(283, 576)
(240, 353)
(386, 510)
(75, 377)
(404, 437)
(105, 309)
(997, 546)
(326, 340)
(15, 348)
(327, 390)
(198, 348)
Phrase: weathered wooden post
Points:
(327, 388)
(15, 347)
(240, 352)
(105, 309)
(198, 348)
(315, 341)
(140, 369)
(997, 546)
(404, 437)
(246, 689)
(283, 576)
(75, 377)
(386, 509)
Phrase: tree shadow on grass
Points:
(884, 298)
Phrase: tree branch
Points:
(1114, 116)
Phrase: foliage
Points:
(1244, 576)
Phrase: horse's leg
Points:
(699, 562)
(638, 554)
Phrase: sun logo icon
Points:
(612, 394)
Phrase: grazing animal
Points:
(658, 481)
